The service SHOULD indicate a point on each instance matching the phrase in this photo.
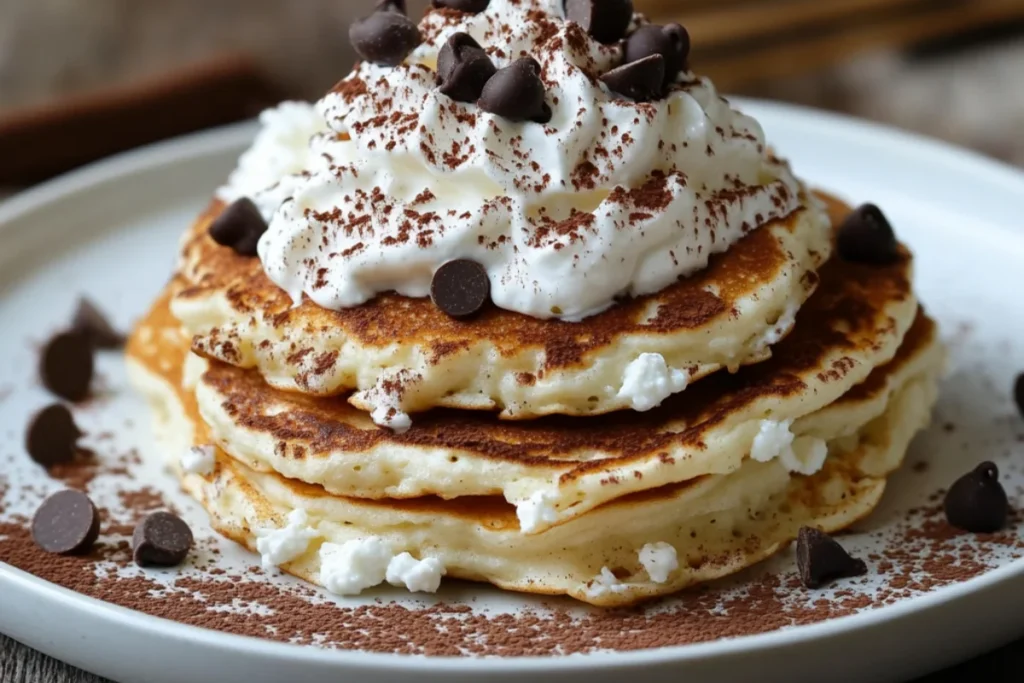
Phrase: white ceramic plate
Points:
(111, 230)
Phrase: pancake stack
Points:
(596, 341)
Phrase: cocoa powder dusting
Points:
(78, 473)
(924, 555)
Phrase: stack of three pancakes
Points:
(617, 453)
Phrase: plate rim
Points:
(843, 130)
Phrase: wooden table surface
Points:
(19, 664)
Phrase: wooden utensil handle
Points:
(39, 142)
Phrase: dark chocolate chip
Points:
(391, 6)
(385, 37)
(977, 502)
(239, 227)
(642, 81)
(463, 68)
(161, 540)
(90, 322)
(605, 20)
(671, 42)
(517, 93)
(66, 366)
(469, 6)
(460, 288)
(820, 559)
(1018, 393)
(52, 436)
(67, 523)
(866, 237)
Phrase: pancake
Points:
(402, 355)
(709, 527)
(557, 468)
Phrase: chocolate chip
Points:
(469, 6)
(66, 366)
(385, 37)
(671, 42)
(239, 227)
(1018, 393)
(463, 68)
(605, 20)
(67, 523)
(52, 436)
(517, 93)
(642, 81)
(977, 502)
(821, 560)
(866, 237)
(391, 6)
(90, 322)
(161, 540)
(460, 288)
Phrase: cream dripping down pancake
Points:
(631, 248)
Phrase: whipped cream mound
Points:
(648, 381)
(269, 171)
(804, 455)
(610, 198)
(278, 546)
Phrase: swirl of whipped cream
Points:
(611, 198)
(279, 158)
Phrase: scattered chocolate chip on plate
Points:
(67, 523)
(52, 436)
(161, 540)
(90, 322)
(66, 365)
(821, 560)
(977, 502)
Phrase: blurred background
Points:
(81, 79)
